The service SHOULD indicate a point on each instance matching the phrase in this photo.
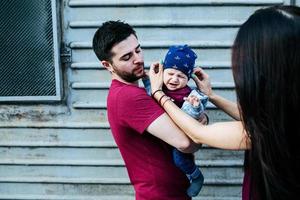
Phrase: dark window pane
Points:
(27, 64)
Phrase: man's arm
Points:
(165, 129)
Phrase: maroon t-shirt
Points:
(148, 159)
(247, 181)
(246, 185)
(178, 95)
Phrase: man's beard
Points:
(126, 76)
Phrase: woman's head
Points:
(265, 55)
(266, 71)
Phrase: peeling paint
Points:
(32, 113)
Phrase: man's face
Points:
(127, 60)
(174, 79)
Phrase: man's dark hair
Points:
(109, 34)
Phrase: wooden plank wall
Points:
(66, 151)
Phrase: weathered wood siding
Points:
(66, 151)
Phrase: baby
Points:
(178, 67)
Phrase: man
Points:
(143, 132)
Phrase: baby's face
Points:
(174, 79)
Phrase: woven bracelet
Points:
(155, 92)
(168, 99)
(161, 98)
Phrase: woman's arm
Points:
(227, 106)
(202, 81)
(225, 135)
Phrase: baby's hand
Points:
(193, 100)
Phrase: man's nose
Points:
(138, 58)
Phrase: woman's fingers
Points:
(156, 76)
(202, 81)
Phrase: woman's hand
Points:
(156, 76)
(202, 81)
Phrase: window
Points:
(29, 58)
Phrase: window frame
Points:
(56, 62)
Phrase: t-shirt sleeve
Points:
(137, 110)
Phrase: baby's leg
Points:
(186, 163)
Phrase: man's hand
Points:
(203, 119)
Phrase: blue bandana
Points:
(182, 58)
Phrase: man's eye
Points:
(138, 50)
(126, 58)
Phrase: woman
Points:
(266, 71)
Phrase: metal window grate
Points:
(29, 52)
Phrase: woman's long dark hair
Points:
(266, 70)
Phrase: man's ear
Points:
(107, 65)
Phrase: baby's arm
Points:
(147, 85)
(195, 104)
